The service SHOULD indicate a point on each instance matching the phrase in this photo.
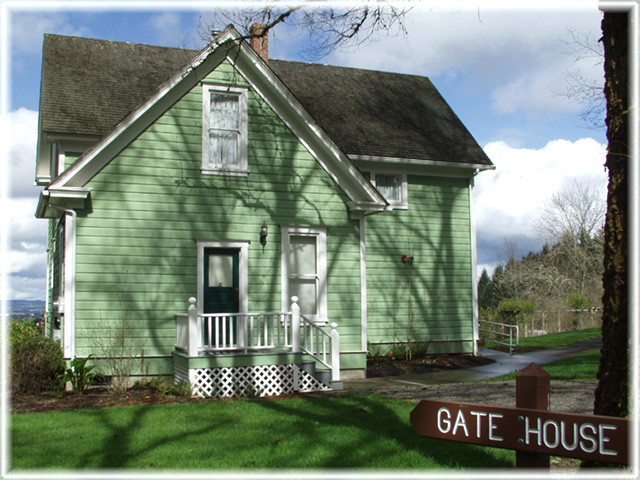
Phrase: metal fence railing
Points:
(499, 333)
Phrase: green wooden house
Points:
(250, 224)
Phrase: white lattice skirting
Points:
(259, 381)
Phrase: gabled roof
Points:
(381, 114)
(113, 90)
(89, 85)
(228, 45)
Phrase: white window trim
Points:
(403, 203)
(243, 271)
(321, 268)
(242, 169)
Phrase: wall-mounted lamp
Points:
(263, 233)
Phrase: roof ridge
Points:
(195, 50)
(344, 67)
(121, 42)
(411, 120)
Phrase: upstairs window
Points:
(389, 187)
(224, 136)
(392, 187)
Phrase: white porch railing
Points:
(240, 333)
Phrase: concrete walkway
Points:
(504, 363)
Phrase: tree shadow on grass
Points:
(344, 432)
(377, 425)
(121, 445)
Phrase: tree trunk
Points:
(612, 395)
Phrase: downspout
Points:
(69, 281)
(474, 263)
(363, 286)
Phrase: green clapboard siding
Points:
(137, 252)
(431, 299)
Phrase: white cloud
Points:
(508, 199)
(520, 55)
(24, 229)
(27, 30)
(24, 260)
(22, 126)
(168, 29)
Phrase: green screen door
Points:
(221, 293)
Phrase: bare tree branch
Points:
(575, 213)
(328, 28)
(587, 91)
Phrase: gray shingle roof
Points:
(89, 86)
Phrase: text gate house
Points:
(537, 431)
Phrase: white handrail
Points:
(245, 332)
(321, 345)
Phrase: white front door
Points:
(304, 271)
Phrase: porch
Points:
(255, 354)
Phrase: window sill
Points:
(228, 173)
(398, 206)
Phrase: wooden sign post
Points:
(532, 431)
(533, 390)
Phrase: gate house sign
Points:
(538, 431)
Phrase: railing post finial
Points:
(193, 330)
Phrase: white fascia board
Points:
(42, 180)
(417, 166)
(68, 193)
(94, 159)
(66, 143)
(367, 207)
(303, 125)
(43, 156)
(69, 198)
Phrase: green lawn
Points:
(553, 340)
(311, 432)
(561, 339)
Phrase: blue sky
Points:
(501, 71)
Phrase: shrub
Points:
(577, 301)
(36, 361)
(514, 312)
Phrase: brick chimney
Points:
(259, 42)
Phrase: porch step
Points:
(322, 375)
(309, 366)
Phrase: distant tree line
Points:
(566, 274)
